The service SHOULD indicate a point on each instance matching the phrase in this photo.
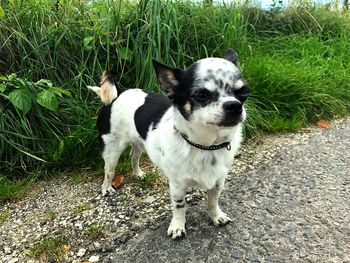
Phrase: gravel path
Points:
(288, 196)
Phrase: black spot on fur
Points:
(150, 113)
(180, 206)
(184, 89)
(104, 122)
(179, 201)
(161, 151)
(213, 161)
(242, 93)
(219, 72)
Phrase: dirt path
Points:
(288, 195)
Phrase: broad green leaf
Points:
(21, 99)
(2, 12)
(2, 87)
(47, 99)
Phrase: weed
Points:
(51, 215)
(81, 208)
(4, 216)
(12, 188)
(79, 177)
(122, 198)
(148, 181)
(94, 231)
(50, 247)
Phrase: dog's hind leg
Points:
(216, 214)
(135, 154)
(111, 154)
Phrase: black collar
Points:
(226, 145)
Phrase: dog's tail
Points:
(107, 90)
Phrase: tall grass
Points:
(296, 62)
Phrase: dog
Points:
(192, 134)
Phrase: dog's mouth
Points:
(228, 122)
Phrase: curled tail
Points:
(107, 90)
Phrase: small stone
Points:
(97, 245)
(292, 238)
(302, 253)
(308, 233)
(246, 235)
(107, 249)
(149, 199)
(7, 250)
(270, 209)
(81, 252)
(94, 258)
(91, 248)
(254, 259)
(14, 260)
(107, 260)
(237, 254)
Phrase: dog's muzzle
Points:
(232, 114)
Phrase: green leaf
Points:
(44, 82)
(2, 87)
(59, 91)
(12, 76)
(47, 99)
(88, 41)
(124, 53)
(21, 99)
(2, 12)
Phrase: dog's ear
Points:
(231, 56)
(168, 77)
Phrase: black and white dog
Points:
(192, 134)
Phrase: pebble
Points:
(94, 259)
(81, 252)
(149, 199)
(7, 250)
(237, 254)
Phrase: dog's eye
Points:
(242, 93)
(202, 95)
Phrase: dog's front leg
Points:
(219, 218)
(177, 225)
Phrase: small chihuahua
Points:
(192, 134)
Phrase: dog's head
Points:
(210, 92)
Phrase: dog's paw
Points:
(176, 230)
(108, 190)
(221, 219)
(139, 174)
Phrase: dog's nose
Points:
(233, 107)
